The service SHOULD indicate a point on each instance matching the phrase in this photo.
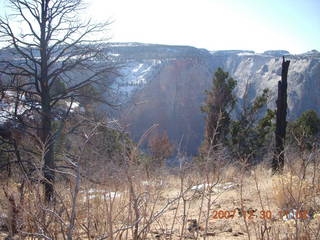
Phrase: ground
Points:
(192, 205)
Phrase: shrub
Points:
(291, 192)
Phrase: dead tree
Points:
(281, 122)
(55, 46)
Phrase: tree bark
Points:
(281, 122)
(49, 166)
(54, 45)
(46, 118)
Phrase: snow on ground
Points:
(216, 188)
(8, 108)
(102, 194)
(75, 106)
(152, 183)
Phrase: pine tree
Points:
(305, 131)
(249, 133)
(219, 103)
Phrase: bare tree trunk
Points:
(281, 122)
(53, 45)
(49, 165)
(46, 118)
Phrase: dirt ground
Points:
(245, 205)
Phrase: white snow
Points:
(125, 44)
(135, 75)
(152, 183)
(201, 187)
(245, 54)
(215, 188)
(9, 109)
(101, 194)
(227, 185)
(114, 54)
(74, 106)
(137, 68)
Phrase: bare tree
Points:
(55, 47)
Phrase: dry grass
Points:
(166, 207)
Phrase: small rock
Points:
(3, 223)
(209, 234)
(193, 225)
(238, 234)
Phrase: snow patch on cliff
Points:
(135, 75)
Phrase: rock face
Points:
(165, 84)
(172, 99)
(264, 71)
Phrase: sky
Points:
(258, 25)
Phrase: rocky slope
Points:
(165, 84)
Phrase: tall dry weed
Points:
(292, 192)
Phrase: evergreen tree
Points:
(305, 131)
(219, 103)
(249, 134)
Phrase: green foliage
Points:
(57, 87)
(219, 103)
(106, 144)
(266, 121)
(61, 139)
(249, 134)
(260, 101)
(305, 131)
(90, 94)
(90, 97)
(112, 143)
(221, 92)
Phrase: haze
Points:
(291, 25)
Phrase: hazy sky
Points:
(215, 24)
(258, 25)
